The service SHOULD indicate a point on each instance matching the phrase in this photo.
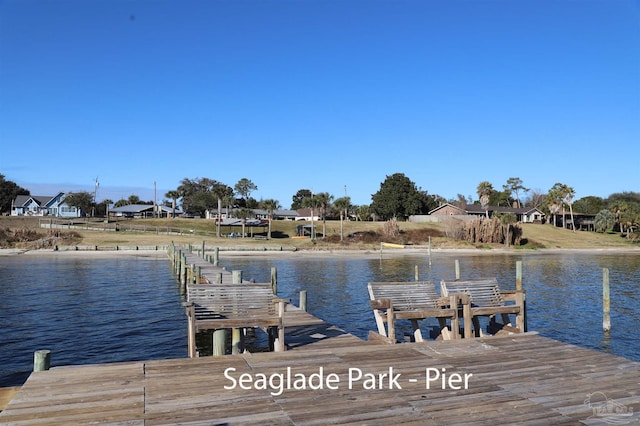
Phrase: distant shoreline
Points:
(323, 253)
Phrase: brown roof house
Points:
(472, 211)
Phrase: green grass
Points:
(369, 235)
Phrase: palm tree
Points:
(312, 202)
(244, 214)
(568, 197)
(559, 195)
(554, 202)
(228, 201)
(324, 202)
(364, 212)
(220, 191)
(342, 204)
(604, 220)
(484, 194)
(173, 195)
(507, 220)
(270, 205)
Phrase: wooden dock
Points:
(303, 330)
(520, 379)
(328, 376)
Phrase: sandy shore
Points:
(318, 253)
(84, 253)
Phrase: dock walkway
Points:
(519, 379)
(302, 330)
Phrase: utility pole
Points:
(95, 198)
(155, 201)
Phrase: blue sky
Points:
(331, 96)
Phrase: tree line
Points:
(398, 197)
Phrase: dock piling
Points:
(274, 280)
(41, 360)
(606, 301)
(303, 300)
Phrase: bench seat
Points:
(414, 301)
(221, 306)
(487, 300)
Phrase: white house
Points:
(47, 205)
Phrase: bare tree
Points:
(514, 186)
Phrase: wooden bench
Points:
(413, 301)
(235, 306)
(486, 299)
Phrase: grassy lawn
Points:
(368, 235)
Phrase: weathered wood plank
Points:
(523, 379)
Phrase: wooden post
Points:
(416, 274)
(183, 272)
(303, 300)
(236, 334)
(219, 342)
(274, 280)
(177, 258)
(216, 256)
(429, 251)
(606, 302)
(198, 274)
(203, 246)
(236, 341)
(521, 298)
(457, 269)
(218, 279)
(41, 360)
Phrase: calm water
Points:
(564, 291)
(96, 310)
(87, 311)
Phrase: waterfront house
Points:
(44, 205)
(276, 214)
(142, 211)
(472, 211)
(308, 214)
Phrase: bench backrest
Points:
(406, 295)
(232, 300)
(484, 292)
